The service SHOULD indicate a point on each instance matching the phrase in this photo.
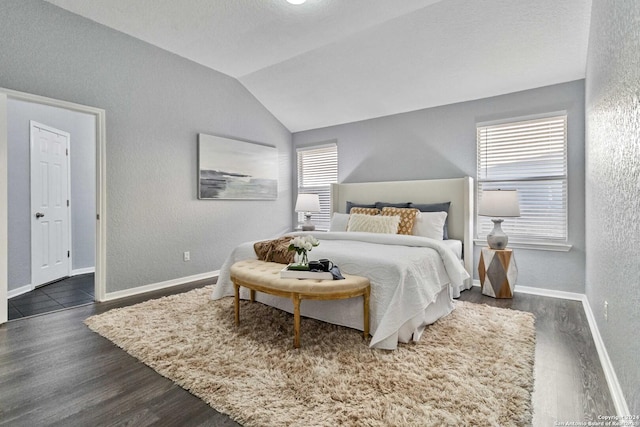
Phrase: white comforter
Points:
(406, 273)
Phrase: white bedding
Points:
(407, 275)
(455, 246)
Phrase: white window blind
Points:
(317, 170)
(531, 157)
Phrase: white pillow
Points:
(429, 224)
(373, 223)
(339, 222)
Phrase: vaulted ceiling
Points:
(328, 62)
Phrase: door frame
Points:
(68, 261)
(101, 199)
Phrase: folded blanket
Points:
(276, 250)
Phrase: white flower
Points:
(312, 240)
(304, 243)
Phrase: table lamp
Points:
(499, 204)
(308, 203)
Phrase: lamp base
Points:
(497, 239)
(307, 225)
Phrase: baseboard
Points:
(542, 292)
(612, 379)
(549, 293)
(80, 271)
(21, 290)
(158, 286)
(609, 372)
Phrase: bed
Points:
(413, 279)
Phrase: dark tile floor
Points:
(69, 292)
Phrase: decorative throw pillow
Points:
(429, 224)
(364, 211)
(339, 222)
(373, 223)
(358, 205)
(407, 218)
(381, 205)
(435, 207)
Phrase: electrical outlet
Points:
(606, 311)
(187, 256)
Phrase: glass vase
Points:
(302, 259)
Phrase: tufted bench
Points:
(264, 277)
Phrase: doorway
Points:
(97, 218)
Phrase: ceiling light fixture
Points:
(296, 1)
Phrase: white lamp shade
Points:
(499, 203)
(308, 203)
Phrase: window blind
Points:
(317, 170)
(531, 157)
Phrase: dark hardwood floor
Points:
(569, 381)
(55, 371)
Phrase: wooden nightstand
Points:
(498, 272)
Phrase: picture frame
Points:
(231, 169)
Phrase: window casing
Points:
(317, 169)
(529, 156)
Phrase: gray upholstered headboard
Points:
(458, 191)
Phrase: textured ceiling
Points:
(328, 62)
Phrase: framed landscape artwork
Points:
(237, 170)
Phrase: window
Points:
(530, 156)
(317, 170)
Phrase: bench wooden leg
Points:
(366, 312)
(296, 320)
(252, 295)
(236, 303)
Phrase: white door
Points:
(49, 204)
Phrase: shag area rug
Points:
(472, 367)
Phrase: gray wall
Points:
(613, 185)
(441, 143)
(156, 104)
(82, 162)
